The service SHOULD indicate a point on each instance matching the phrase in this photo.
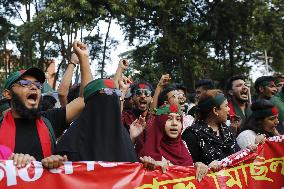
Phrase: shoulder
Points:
(246, 133)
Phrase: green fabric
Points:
(239, 112)
(263, 113)
(212, 102)
(51, 132)
(278, 101)
(167, 109)
(46, 88)
(12, 78)
(97, 85)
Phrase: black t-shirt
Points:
(27, 138)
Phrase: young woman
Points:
(262, 123)
(164, 142)
(209, 139)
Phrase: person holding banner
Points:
(98, 134)
(164, 142)
(209, 139)
(262, 123)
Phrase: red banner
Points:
(262, 169)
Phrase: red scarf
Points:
(159, 145)
(8, 134)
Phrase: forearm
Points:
(86, 74)
(64, 85)
(117, 75)
(158, 90)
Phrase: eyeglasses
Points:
(139, 92)
(109, 91)
(27, 83)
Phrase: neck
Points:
(213, 124)
(15, 114)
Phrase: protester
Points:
(164, 140)
(141, 99)
(202, 86)
(97, 134)
(278, 101)
(209, 139)
(48, 102)
(263, 121)
(265, 87)
(238, 103)
(26, 130)
(279, 81)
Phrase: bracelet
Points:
(75, 65)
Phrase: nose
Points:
(276, 121)
(174, 122)
(32, 86)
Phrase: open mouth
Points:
(142, 104)
(244, 94)
(32, 98)
(174, 131)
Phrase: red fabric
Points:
(128, 117)
(5, 152)
(232, 111)
(8, 134)
(159, 145)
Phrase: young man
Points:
(265, 87)
(278, 101)
(202, 86)
(24, 129)
(141, 99)
(239, 101)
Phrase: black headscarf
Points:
(98, 134)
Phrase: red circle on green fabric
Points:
(109, 83)
(174, 108)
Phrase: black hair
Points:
(260, 80)
(48, 102)
(255, 124)
(229, 82)
(180, 86)
(205, 83)
(163, 95)
(135, 85)
(74, 92)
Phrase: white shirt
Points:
(246, 138)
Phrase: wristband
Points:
(75, 65)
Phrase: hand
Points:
(164, 80)
(80, 49)
(21, 160)
(150, 164)
(53, 161)
(123, 63)
(201, 170)
(74, 58)
(215, 165)
(137, 127)
(260, 139)
(252, 147)
(124, 83)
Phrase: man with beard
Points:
(24, 129)
(238, 103)
(141, 98)
(265, 87)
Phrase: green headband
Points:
(167, 109)
(265, 112)
(97, 85)
(212, 102)
(266, 83)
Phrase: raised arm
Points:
(63, 88)
(162, 83)
(74, 108)
(123, 65)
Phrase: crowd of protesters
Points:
(117, 120)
